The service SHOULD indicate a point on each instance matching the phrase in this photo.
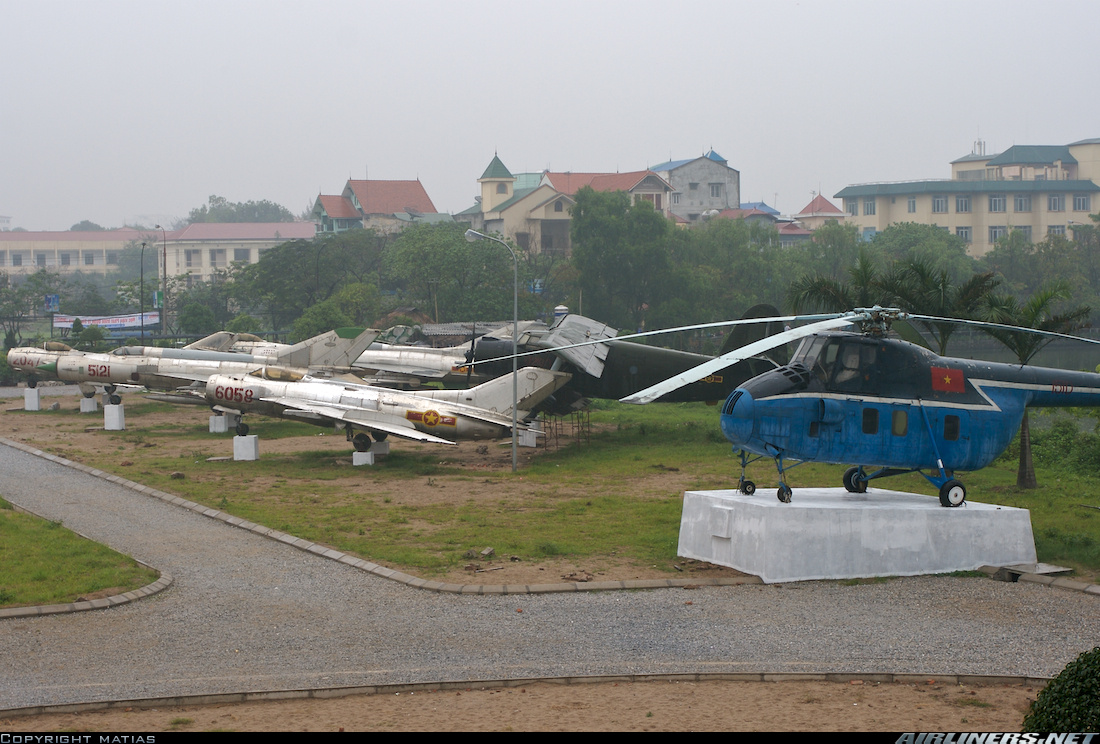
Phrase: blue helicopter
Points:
(870, 400)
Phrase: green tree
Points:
(928, 244)
(220, 209)
(196, 319)
(1037, 313)
(621, 253)
(918, 286)
(865, 288)
(86, 226)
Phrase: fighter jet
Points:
(440, 416)
(168, 369)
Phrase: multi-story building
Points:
(1039, 190)
(386, 206)
(533, 209)
(196, 251)
(701, 186)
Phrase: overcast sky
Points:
(119, 112)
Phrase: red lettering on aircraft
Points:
(233, 394)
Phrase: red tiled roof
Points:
(571, 183)
(820, 206)
(791, 228)
(107, 236)
(387, 197)
(246, 231)
(338, 207)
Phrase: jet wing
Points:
(296, 407)
(575, 329)
(404, 370)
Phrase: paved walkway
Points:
(250, 613)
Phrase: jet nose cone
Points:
(738, 416)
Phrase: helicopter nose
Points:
(737, 417)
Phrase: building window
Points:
(1022, 203)
(853, 207)
(868, 234)
(242, 254)
(715, 190)
(693, 187)
(548, 243)
(964, 234)
(676, 198)
(558, 207)
(1056, 230)
(939, 204)
(962, 204)
(112, 258)
(3, 257)
(192, 258)
(40, 259)
(912, 204)
(17, 259)
(523, 240)
(1024, 230)
(997, 203)
(217, 258)
(65, 258)
(869, 206)
(89, 258)
(502, 188)
(1081, 203)
(1056, 203)
(996, 232)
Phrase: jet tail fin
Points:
(534, 385)
(338, 348)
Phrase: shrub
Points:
(1071, 702)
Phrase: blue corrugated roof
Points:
(761, 206)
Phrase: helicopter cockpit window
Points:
(854, 369)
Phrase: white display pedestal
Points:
(828, 533)
(362, 458)
(527, 439)
(32, 399)
(222, 424)
(246, 448)
(114, 418)
(88, 405)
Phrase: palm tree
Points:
(1036, 313)
(820, 292)
(919, 287)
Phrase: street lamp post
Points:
(141, 293)
(164, 286)
(472, 236)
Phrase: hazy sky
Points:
(118, 111)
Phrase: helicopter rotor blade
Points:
(1001, 326)
(695, 374)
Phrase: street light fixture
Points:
(474, 236)
(141, 293)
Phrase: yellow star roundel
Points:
(431, 418)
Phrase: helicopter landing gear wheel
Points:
(361, 442)
(241, 429)
(748, 488)
(853, 483)
(784, 493)
(114, 400)
(952, 493)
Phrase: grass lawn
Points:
(44, 563)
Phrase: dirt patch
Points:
(642, 706)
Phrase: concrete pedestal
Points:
(527, 439)
(246, 448)
(380, 448)
(828, 533)
(88, 405)
(362, 458)
(114, 418)
(32, 399)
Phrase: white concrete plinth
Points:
(114, 418)
(88, 405)
(221, 424)
(32, 399)
(380, 448)
(246, 448)
(828, 533)
(362, 458)
(527, 439)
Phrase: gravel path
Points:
(247, 613)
